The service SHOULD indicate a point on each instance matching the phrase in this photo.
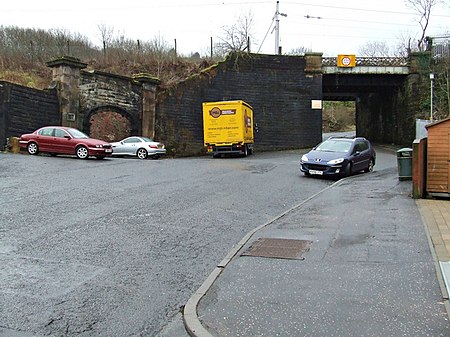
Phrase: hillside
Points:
(24, 53)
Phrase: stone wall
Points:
(23, 110)
(278, 88)
(101, 91)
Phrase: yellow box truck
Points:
(228, 128)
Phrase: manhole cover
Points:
(278, 248)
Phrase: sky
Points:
(333, 27)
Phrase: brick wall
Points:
(277, 87)
(24, 110)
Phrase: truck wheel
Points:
(245, 153)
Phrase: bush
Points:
(338, 116)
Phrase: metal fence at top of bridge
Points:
(371, 61)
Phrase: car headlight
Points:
(336, 161)
(304, 158)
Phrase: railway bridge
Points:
(379, 88)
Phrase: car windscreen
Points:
(334, 146)
(77, 133)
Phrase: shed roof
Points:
(437, 123)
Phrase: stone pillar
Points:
(417, 88)
(66, 76)
(313, 62)
(420, 62)
(148, 112)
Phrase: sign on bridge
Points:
(346, 61)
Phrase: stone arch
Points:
(110, 123)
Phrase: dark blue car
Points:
(338, 156)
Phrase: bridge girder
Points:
(347, 87)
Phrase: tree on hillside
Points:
(423, 8)
(106, 35)
(37, 45)
(236, 36)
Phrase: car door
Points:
(63, 142)
(45, 139)
(361, 155)
(130, 145)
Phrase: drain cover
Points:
(278, 248)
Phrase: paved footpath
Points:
(436, 215)
(371, 262)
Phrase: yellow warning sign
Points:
(346, 61)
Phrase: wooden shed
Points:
(438, 158)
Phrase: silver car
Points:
(141, 147)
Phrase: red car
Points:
(63, 140)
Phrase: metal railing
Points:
(371, 61)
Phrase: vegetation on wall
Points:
(434, 93)
(441, 90)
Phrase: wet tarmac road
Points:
(115, 247)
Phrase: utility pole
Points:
(431, 96)
(277, 28)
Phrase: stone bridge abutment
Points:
(104, 105)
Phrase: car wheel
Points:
(370, 166)
(348, 170)
(141, 153)
(82, 152)
(32, 148)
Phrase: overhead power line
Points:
(362, 21)
(356, 9)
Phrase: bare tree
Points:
(375, 49)
(423, 9)
(37, 45)
(299, 51)
(106, 35)
(236, 37)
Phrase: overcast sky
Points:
(334, 27)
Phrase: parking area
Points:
(116, 246)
